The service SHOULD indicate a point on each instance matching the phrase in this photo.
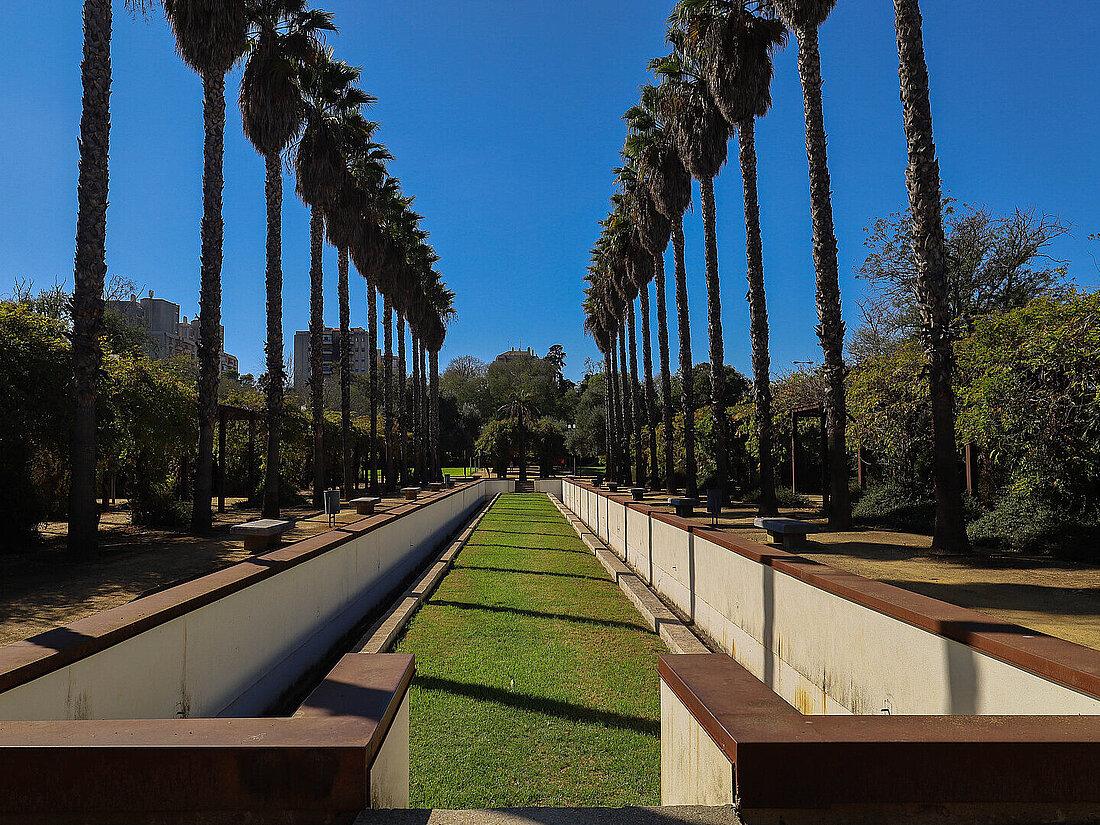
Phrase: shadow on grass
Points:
(529, 572)
(540, 704)
(538, 614)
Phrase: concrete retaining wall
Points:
(834, 643)
(231, 643)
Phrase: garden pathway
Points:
(536, 679)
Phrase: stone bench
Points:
(612, 486)
(260, 534)
(435, 486)
(637, 493)
(365, 506)
(684, 507)
(410, 493)
(789, 532)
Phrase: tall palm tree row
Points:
(716, 83)
(702, 135)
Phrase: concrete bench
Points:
(612, 486)
(789, 532)
(410, 493)
(435, 486)
(684, 507)
(365, 506)
(637, 493)
(260, 534)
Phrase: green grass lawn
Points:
(536, 680)
(458, 471)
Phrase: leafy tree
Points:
(994, 264)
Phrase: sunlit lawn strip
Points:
(536, 679)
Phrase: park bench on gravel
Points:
(789, 532)
(365, 506)
(261, 534)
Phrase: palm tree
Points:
(734, 48)
(922, 179)
(90, 271)
(333, 129)
(210, 37)
(804, 18)
(652, 146)
(702, 135)
(272, 110)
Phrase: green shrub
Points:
(895, 507)
(786, 497)
(156, 505)
(1024, 523)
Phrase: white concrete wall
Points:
(238, 654)
(694, 771)
(389, 775)
(819, 651)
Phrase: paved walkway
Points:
(536, 678)
(555, 816)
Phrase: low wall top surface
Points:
(1051, 658)
(784, 759)
(52, 650)
(106, 770)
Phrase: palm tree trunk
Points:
(274, 346)
(422, 442)
(433, 419)
(683, 325)
(616, 413)
(90, 272)
(650, 393)
(387, 388)
(345, 375)
(416, 406)
(316, 344)
(626, 404)
(830, 328)
(637, 411)
(666, 373)
(758, 319)
(210, 294)
(922, 179)
(372, 381)
(402, 402)
(609, 417)
(717, 346)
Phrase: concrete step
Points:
(555, 816)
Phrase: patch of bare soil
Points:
(44, 587)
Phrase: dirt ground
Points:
(1058, 598)
(44, 588)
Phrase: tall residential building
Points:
(330, 354)
(166, 334)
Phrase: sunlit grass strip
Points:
(537, 681)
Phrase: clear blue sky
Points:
(504, 118)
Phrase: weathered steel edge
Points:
(317, 762)
(24, 661)
(1069, 664)
(782, 759)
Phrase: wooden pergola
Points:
(227, 413)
